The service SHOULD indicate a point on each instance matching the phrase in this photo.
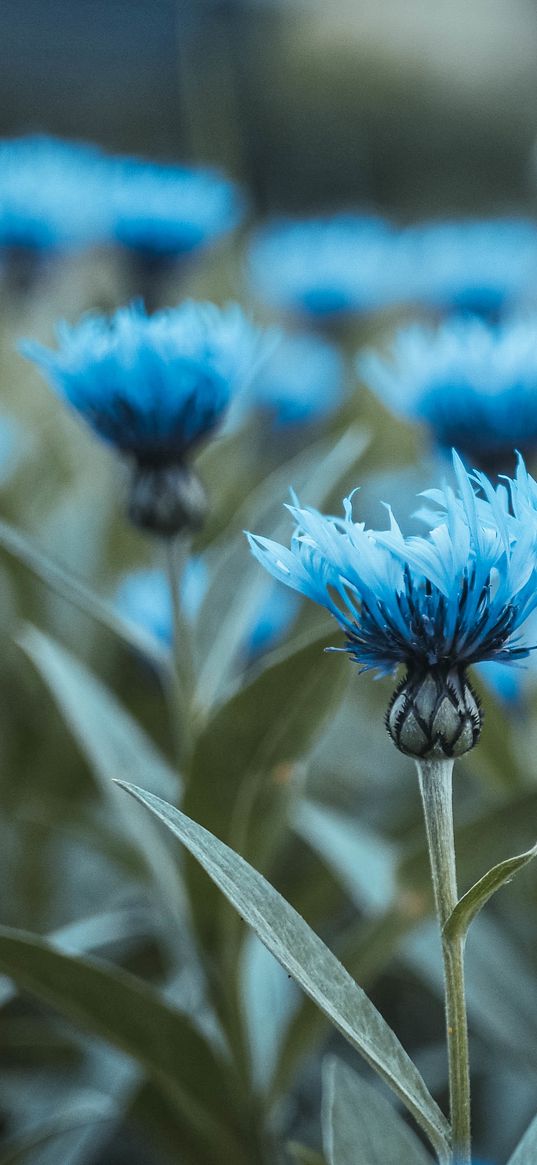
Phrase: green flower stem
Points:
(180, 695)
(435, 778)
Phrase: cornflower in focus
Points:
(482, 266)
(327, 267)
(435, 604)
(154, 387)
(52, 198)
(474, 384)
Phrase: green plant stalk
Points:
(435, 779)
(180, 688)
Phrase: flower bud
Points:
(166, 499)
(434, 714)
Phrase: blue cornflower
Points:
(169, 210)
(327, 266)
(143, 596)
(52, 194)
(301, 380)
(434, 603)
(474, 384)
(476, 265)
(154, 386)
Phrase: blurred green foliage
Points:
(150, 1026)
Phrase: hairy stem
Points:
(435, 778)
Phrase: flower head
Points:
(167, 210)
(475, 265)
(327, 266)
(301, 381)
(474, 384)
(151, 385)
(52, 194)
(154, 386)
(435, 603)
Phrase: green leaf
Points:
(365, 951)
(81, 596)
(362, 860)
(114, 745)
(360, 1125)
(472, 902)
(302, 1155)
(526, 1152)
(22, 1150)
(264, 727)
(238, 583)
(309, 961)
(113, 1005)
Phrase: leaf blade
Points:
(115, 1006)
(75, 591)
(478, 895)
(317, 970)
(526, 1151)
(359, 1124)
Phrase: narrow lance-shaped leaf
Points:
(310, 963)
(115, 1006)
(359, 1124)
(526, 1151)
(112, 742)
(75, 591)
(270, 721)
(471, 903)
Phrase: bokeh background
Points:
(414, 112)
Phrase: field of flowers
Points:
(268, 543)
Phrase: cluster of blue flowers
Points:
(56, 194)
(442, 601)
(326, 267)
(473, 383)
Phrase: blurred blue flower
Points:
(301, 380)
(327, 266)
(143, 597)
(434, 603)
(473, 383)
(151, 385)
(52, 194)
(475, 265)
(169, 210)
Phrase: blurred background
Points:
(394, 116)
